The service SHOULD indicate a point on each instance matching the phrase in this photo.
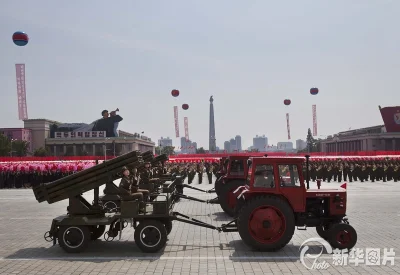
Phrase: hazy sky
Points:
(86, 56)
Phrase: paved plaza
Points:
(373, 209)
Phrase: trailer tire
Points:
(275, 219)
(96, 231)
(74, 238)
(226, 198)
(168, 226)
(155, 239)
(342, 236)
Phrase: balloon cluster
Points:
(175, 93)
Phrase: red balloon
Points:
(314, 91)
(287, 102)
(175, 93)
(185, 106)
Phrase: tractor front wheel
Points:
(217, 185)
(226, 198)
(342, 236)
(266, 223)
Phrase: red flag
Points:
(344, 185)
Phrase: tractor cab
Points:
(284, 177)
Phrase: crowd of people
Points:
(27, 174)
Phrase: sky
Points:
(86, 56)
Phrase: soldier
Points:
(210, 173)
(385, 168)
(340, 171)
(329, 172)
(130, 184)
(345, 170)
(200, 172)
(396, 174)
(146, 178)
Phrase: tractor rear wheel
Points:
(342, 236)
(150, 236)
(217, 185)
(266, 223)
(226, 198)
(74, 238)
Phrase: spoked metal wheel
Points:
(110, 206)
(74, 239)
(150, 236)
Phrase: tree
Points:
(5, 146)
(41, 152)
(311, 143)
(20, 148)
(167, 150)
(200, 151)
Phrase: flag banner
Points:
(186, 128)
(288, 125)
(21, 92)
(176, 121)
(314, 116)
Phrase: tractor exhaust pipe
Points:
(307, 174)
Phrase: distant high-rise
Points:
(227, 146)
(238, 140)
(260, 143)
(212, 144)
(163, 142)
(301, 144)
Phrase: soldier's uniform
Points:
(145, 177)
(340, 172)
(396, 172)
(200, 173)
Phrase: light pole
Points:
(11, 151)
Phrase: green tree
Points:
(311, 143)
(41, 152)
(5, 146)
(200, 151)
(19, 148)
(167, 150)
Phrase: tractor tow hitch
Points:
(229, 227)
(198, 189)
(212, 201)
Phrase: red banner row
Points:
(210, 156)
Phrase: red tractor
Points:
(236, 172)
(276, 200)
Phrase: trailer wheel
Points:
(226, 198)
(96, 231)
(322, 231)
(266, 223)
(74, 239)
(150, 236)
(342, 236)
(168, 226)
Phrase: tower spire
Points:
(212, 145)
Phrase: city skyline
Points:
(258, 55)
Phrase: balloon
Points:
(20, 38)
(175, 93)
(185, 106)
(287, 102)
(314, 91)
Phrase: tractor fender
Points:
(249, 196)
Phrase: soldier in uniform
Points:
(209, 173)
(396, 173)
(200, 172)
(146, 178)
(340, 171)
(130, 184)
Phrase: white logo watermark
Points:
(356, 256)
